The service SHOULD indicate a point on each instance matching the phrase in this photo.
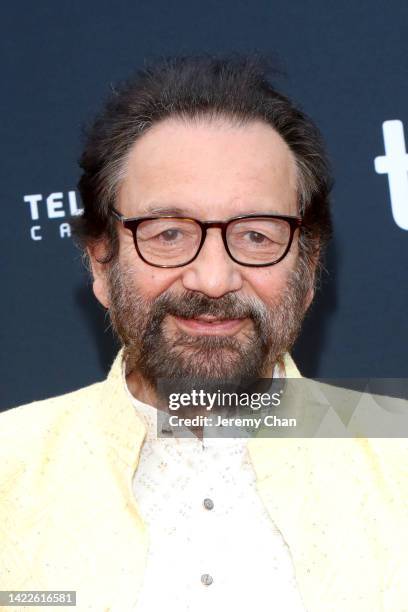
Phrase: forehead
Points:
(209, 169)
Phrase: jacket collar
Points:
(120, 425)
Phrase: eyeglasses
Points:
(170, 241)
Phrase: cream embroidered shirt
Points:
(205, 520)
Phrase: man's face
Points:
(212, 318)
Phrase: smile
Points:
(209, 325)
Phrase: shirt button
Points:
(208, 503)
(206, 579)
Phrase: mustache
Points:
(192, 304)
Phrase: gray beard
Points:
(138, 323)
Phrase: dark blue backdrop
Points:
(347, 66)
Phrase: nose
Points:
(213, 272)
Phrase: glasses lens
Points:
(258, 240)
(168, 242)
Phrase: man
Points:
(206, 215)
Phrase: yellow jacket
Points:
(69, 519)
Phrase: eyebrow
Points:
(170, 209)
(165, 210)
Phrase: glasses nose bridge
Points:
(222, 225)
(211, 224)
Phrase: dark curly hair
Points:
(235, 87)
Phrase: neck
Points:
(145, 392)
(142, 389)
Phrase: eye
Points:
(169, 235)
(257, 238)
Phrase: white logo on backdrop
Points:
(395, 164)
(54, 206)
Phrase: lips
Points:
(209, 319)
(209, 325)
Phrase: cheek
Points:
(269, 283)
(153, 283)
(149, 281)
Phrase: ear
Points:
(96, 252)
(311, 292)
(309, 298)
